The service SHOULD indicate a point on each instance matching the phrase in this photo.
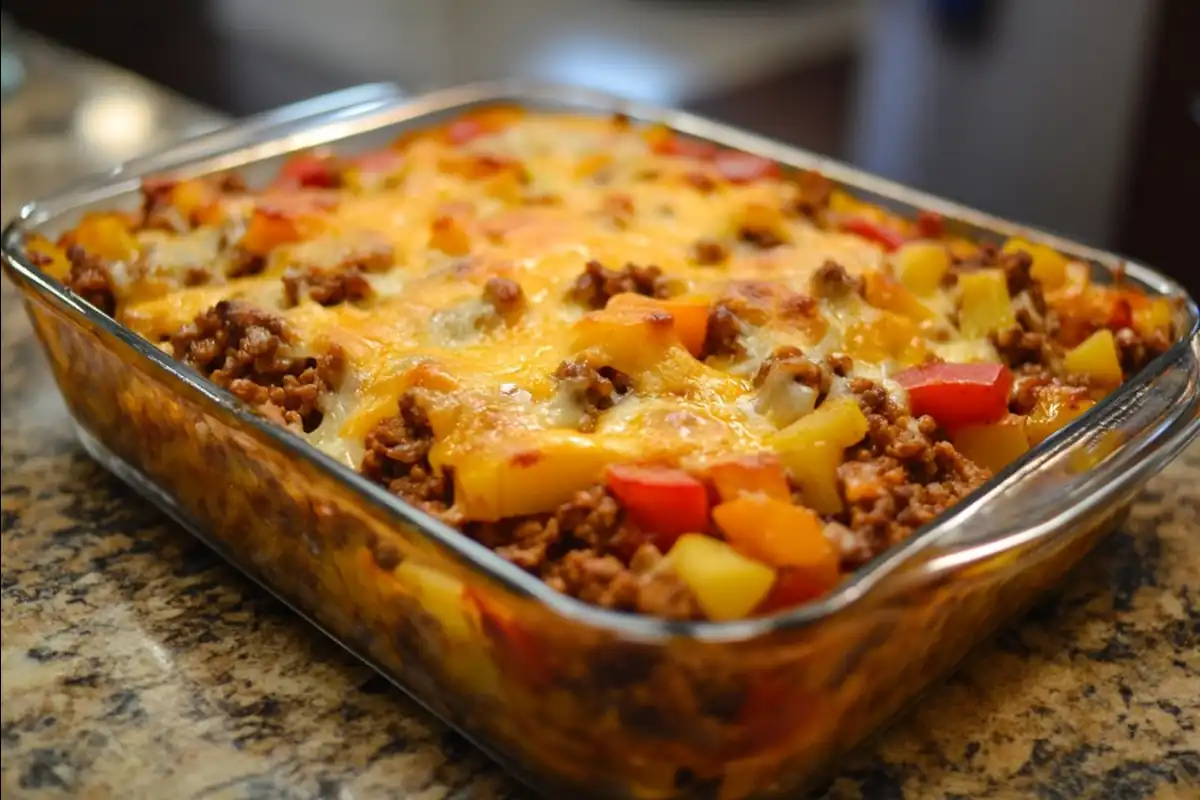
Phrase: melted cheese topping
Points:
(488, 385)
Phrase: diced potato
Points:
(1049, 266)
(994, 446)
(632, 335)
(590, 165)
(986, 306)
(920, 266)
(1052, 412)
(106, 236)
(196, 201)
(1097, 358)
(441, 596)
(890, 336)
(727, 584)
(50, 258)
(270, 228)
(490, 485)
(767, 219)
(882, 291)
(1153, 318)
(812, 448)
(690, 315)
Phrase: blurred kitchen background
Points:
(1081, 116)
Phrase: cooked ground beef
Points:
(801, 369)
(1136, 351)
(723, 336)
(594, 389)
(761, 236)
(397, 457)
(91, 279)
(901, 477)
(840, 363)
(506, 297)
(1017, 346)
(597, 284)
(245, 350)
(813, 193)
(243, 263)
(708, 253)
(329, 287)
(832, 281)
(586, 549)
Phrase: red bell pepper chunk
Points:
(685, 147)
(794, 587)
(307, 170)
(738, 167)
(462, 131)
(930, 225)
(958, 394)
(880, 234)
(517, 647)
(1121, 314)
(662, 501)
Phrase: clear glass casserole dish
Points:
(576, 700)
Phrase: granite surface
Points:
(135, 664)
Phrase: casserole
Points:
(614, 704)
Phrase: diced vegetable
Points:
(268, 230)
(664, 141)
(812, 448)
(1153, 318)
(690, 316)
(1053, 411)
(727, 584)
(516, 646)
(197, 201)
(986, 306)
(920, 266)
(663, 501)
(632, 336)
(1049, 266)
(760, 474)
(738, 167)
(883, 291)
(930, 225)
(493, 484)
(106, 236)
(877, 232)
(780, 534)
(309, 170)
(958, 394)
(995, 445)
(795, 586)
(760, 219)
(1097, 358)
(890, 336)
(47, 256)
(441, 596)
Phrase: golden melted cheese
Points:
(489, 385)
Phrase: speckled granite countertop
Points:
(135, 664)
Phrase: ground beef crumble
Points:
(831, 281)
(594, 389)
(397, 457)
(902, 476)
(506, 297)
(328, 287)
(597, 284)
(91, 279)
(586, 549)
(245, 350)
(724, 333)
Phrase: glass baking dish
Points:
(576, 700)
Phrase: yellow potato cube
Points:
(632, 336)
(985, 304)
(920, 266)
(1154, 318)
(1097, 358)
(994, 446)
(1052, 412)
(441, 596)
(727, 584)
(812, 448)
(541, 476)
(1049, 266)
